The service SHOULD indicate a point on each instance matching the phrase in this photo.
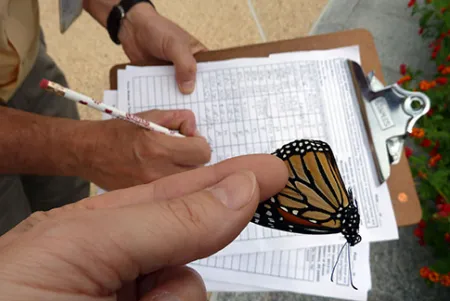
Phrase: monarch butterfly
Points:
(314, 200)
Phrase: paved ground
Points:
(395, 264)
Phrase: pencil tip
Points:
(44, 84)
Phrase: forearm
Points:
(34, 144)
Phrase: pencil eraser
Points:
(44, 84)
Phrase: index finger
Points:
(269, 170)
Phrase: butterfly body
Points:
(314, 200)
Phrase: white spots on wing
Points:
(256, 220)
(297, 149)
(267, 206)
(288, 152)
(281, 218)
(290, 226)
(257, 215)
(294, 144)
(272, 200)
(313, 221)
(294, 212)
(271, 220)
(284, 208)
(268, 213)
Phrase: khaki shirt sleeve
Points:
(19, 43)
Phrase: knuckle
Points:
(189, 215)
(187, 114)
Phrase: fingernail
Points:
(165, 296)
(235, 191)
(187, 86)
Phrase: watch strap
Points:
(116, 15)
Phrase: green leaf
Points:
(425, 17)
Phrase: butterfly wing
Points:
(314, 196)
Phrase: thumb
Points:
(181, 230)
(185, 66)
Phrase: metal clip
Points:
(389, 114)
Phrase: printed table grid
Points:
(307, 264)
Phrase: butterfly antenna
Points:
(337, 260)
(350, 268)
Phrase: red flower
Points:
(424, 272)
(418, 232)
(411, 3)
(440, 68)
(433, 276)
(445, 280)
(444, 207)
(404, 79)
(434, 55)
(442, 80)
(430, 112)
(426, 142)
(443, 9)
(422, 224)
(420, 31)
(408, 152)
(434, 160)
(448, 57)
(421, 242)
(447, 237)
(403, 69)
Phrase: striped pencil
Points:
(88, 101)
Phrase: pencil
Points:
(90, 102)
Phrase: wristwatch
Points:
(116, 15)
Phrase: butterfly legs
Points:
(349, 264)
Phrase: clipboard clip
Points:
(389, 114)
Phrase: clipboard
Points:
(400, 182)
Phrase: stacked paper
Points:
(255, 105)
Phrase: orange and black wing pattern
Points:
(315, 200)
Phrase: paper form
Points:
(247, 106)
(305, 270)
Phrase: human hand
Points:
(132, 244)
(118, 154)
(144, 34)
